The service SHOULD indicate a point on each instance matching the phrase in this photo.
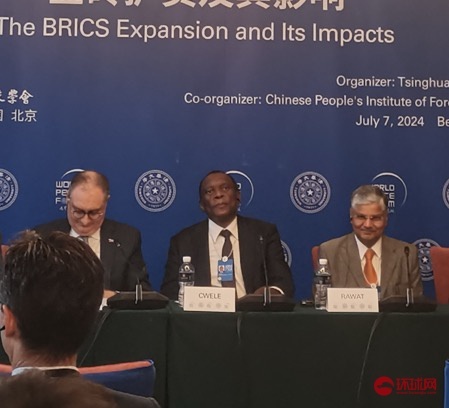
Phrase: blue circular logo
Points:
(245, 185)
(310, 192)
(155, 191)
(9, 188)
(62, 188)
(425, 263)
(446, 193)
(393, 187)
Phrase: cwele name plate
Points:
(352, 300)
(209, 299)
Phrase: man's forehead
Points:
(216, 178)
(87, 192)
(370, 208)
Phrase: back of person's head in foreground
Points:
(35, 389)
(50, 293)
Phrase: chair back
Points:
(315, 256)
(440, 264)
(135, 377)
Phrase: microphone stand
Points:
(266, 290)
(410, 299)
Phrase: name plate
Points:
(209, 299)
(352, 300)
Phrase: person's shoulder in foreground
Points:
(123, 399)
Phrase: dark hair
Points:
(200, 188)
(54, 287)
(34, 388)
(90, 177)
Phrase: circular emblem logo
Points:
(393, 187)
(9, 188)
(245, 185)
(287, 253)
(425, 263)
(446, 193)
(310, 192)
(155, 191)
(384, 386)
(62, 188)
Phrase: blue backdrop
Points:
(301, 100)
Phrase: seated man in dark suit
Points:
(367, 257)
(50, 293)
(117, 245)
(248, 244)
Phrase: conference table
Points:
(303, 358)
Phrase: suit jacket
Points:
(120, 253)
(194, 242)
(346, 270)
(122, 399)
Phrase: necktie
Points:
(227, 252)
(369, 271)
(227, 246)
(84, 238)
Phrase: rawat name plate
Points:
(352, 300)
(209, 299)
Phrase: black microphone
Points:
(137, 299)
(266, 291)
(410, 299)
(138, 284)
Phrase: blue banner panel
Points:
(302, 100)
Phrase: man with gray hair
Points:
(368, 258)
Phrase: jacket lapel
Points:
(354, 265)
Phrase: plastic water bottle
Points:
(186, 277)
(322, 281)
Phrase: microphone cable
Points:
(374, 327)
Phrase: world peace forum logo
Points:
(245, 186)
(155, 191)
(425, 262)
(310, 192)
(393, 187)
(9, 188)
(62, 188)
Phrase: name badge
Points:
(225, 270)
(209, 299)
(352, 300)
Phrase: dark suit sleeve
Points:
(279, 273)
(169, 286)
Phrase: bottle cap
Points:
(186, 259)
(322, 261)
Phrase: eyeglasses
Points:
(93, 214)
(361, 219)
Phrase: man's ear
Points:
(10, 321)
